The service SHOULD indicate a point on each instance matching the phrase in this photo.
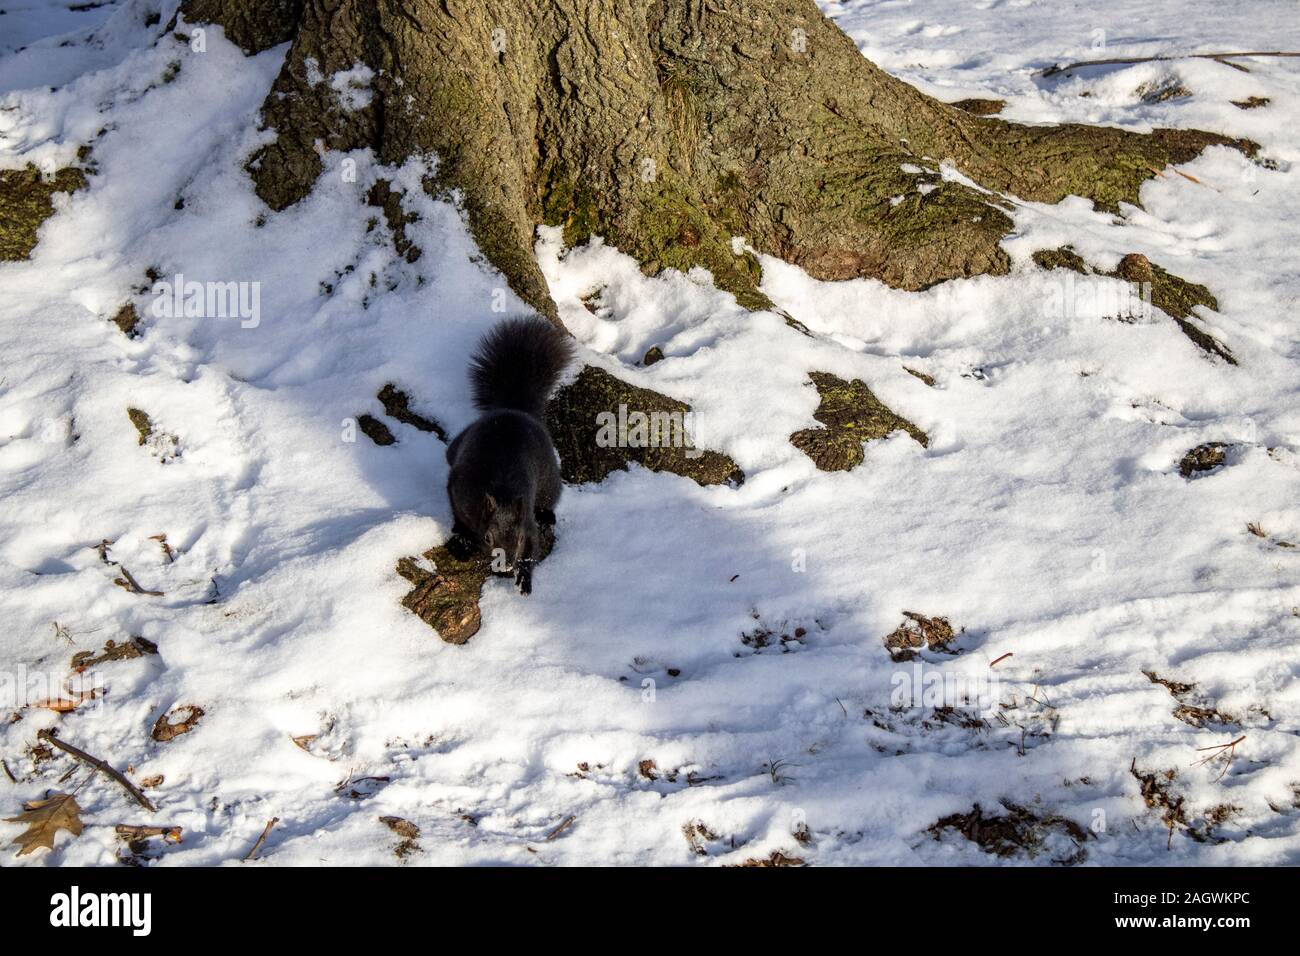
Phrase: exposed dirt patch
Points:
(917, 632)
(1018, 830)
(447, 597)
(1203, 458)
(26, 201)
(600, 423)
(851, 415)
(1251, 102)
(397, 406)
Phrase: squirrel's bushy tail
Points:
(517, 364)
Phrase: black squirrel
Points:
(505, 475)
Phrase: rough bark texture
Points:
(26, 201)
(574, 420)
(1171, 294)
(851, 414)
(668, 126)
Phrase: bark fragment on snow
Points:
(447, 597)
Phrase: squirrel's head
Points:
(506, 526)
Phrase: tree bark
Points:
(668, 127)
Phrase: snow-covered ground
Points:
(1047, 517)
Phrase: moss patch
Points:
(851, 415)
(586, 420)
(1018, 830)
(143, 424)
(128, 321)
(980, 107)
(26, 201)
(1062, 258)
(1171, 294)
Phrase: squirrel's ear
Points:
(489, 504)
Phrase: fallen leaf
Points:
(44, 819)
(165, 728)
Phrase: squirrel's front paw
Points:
(524, 577)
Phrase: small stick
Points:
(1053, 70)
(1000, 659)
(8, 773)
(131, 584)
(252, 854)
(98, 764)
(129, 831)
(1228, 751)
(568, 822)
(166, 548)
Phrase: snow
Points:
(1047, 516)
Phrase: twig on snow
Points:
(1159, 58)
(252, 854)
(98, 764)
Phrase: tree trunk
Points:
(668, 127)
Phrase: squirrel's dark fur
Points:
(505, 476)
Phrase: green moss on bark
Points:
(1171, 294)
(852, 415)
(26, 201)
(579, 419)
